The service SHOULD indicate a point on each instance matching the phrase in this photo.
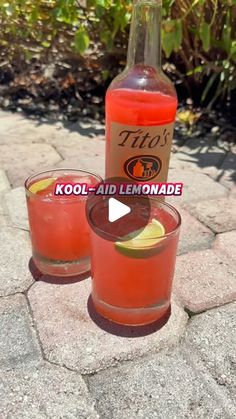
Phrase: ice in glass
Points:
(58, 225)
(132, 278)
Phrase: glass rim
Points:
(31, 177)
(165, 204)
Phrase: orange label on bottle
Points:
(139, 153)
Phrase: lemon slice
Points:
(41, 185)
(144, 243)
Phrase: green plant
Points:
(44, 23)
(199, 36)
(202, 33)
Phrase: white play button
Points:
(114, 217)
(117, 210)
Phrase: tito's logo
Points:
(142, 168)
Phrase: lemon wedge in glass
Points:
(143, 243)
(41, 185)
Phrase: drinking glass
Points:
(132, 280)
(58, 226)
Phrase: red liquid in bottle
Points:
(141, 105)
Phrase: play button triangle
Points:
(117, 210)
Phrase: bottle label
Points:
(140, 153)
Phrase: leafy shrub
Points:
(198, 36)
(202, 35)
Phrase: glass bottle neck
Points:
(145, 34)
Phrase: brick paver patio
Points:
(56, 359)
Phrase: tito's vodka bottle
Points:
(141, 104)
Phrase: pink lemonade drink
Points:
(58, 225)
(132, 279)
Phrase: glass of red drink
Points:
(132, 279)
(58, 226)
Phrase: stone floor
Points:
(55, 361)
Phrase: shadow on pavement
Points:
(125, 331)
(203, 155)
(86, 127)
(57, 280)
